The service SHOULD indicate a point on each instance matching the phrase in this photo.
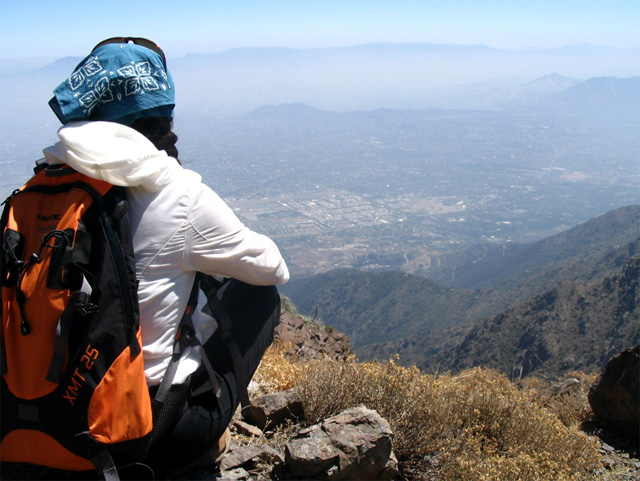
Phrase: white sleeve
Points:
(218, 243)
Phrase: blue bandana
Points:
(117, 83)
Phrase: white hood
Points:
(114, 153)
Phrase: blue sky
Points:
(58, 28)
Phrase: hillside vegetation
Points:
(574, 326)
(476, 425)
(379, 306)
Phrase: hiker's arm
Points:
(219, 244)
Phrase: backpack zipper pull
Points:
(25, 329)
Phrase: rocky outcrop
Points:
(243, 459)
(354, 444)
(615, 397)
(310, 342)
(273, 409)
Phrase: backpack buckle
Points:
(86, 309)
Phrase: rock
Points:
(238, 474)
(615, 398)
(250, 456)
(390, 469)
(355, 444)
(606, 448)
(246, 429)
(310, 342)
(566, 386)
(253, 388)
(311, 454)
(273, 409)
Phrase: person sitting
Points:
(117, 108)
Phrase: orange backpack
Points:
(73, 388)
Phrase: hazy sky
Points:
(58, 28)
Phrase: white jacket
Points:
(180, 226)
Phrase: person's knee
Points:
(239, 294)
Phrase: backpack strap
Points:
(78, 302)
(3, 359)
(185, 337)
(105, 466)
(3, 275)
(210, 286)
(99, 456)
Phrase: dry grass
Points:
(278, 369)
(567, 397)
(478, 424)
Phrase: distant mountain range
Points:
(566, 302)
(396, 76)
(552, 94)
(604, 96)
(366, 77)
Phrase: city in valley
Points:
(399, 189)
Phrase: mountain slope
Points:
(423, 348)
(380, 306)
(599, 96)
(574, 326)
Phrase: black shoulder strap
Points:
(105, 466)
(120, 264)
(210, 286)
(185, 337)
(3, 274)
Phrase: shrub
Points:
(479, 424)
(287, 305)
(567, 397)
(278, 369)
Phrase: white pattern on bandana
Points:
(134, 79)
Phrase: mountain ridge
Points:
(360, 77)
(506, 262)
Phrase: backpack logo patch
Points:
(48, 218)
